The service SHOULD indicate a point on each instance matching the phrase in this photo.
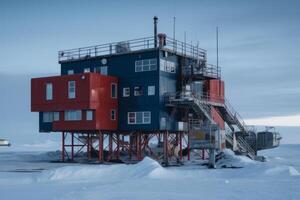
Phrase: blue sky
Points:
(259, 46)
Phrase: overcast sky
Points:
(259, 47)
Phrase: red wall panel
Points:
(93, 92)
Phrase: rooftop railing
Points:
(131, 46)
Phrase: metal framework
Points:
(101, 146)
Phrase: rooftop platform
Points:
(130, 46)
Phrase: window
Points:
(70, 71)
(139, 117)
(114, 90)
(151, 90)
(71, 89)
(49, 91)
(103, 70)
(146, 117)
(131, 118)
(86, 70)
(126, 92)
(167, 66)
(89, 115)
(146, 65)
(138, 91)
(72, 115)
(56, 116)
(47, 117)
(113, 114)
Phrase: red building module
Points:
(79, 102)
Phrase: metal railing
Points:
(130, 46)
(207, 70)
(185, 49)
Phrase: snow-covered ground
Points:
(31, 175)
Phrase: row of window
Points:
(146, 65)
(143, 117)
(72, 90)
(102, 70)
(138, 91)
(74, 115)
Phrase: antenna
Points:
(217, 38)
(174, 26)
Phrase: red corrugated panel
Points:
(93, 92)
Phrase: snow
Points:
(33, 175)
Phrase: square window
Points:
(126, 92)
(89, 115)
(70, 71)
(87, 70)
(47, 117)
(151, 90)
(138, 91)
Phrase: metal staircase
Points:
(231, 117)
(186, 99)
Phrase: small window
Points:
(87, 70)
(47, 117)
(113, 114)
(56, 116)
(146, 117)
(49, 91)
(151, 90)
(138, 91)
(70, 71)
(131, 118)
(71, 90)
(89, 115)
(126, 92)
(73, 115)
(139, 117)
(114, 90)
(103, 70)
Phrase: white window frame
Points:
(113, 114)
(138, 91)
(114, 95)
(146, 65)
(151, 90)
(126, 92)
(71, 94)
(73, 115)
(56, 116)
(89, 115)
(70, 71)
(128, 117)
(87, 70)
(49, 91)
(145, 119)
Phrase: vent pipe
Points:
(155, 31)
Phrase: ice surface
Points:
(31, 175)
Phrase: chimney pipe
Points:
(155, 31)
